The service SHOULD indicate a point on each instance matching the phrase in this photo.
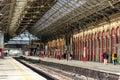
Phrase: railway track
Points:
(50, 73)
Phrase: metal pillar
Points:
(110, 37)
(100, 49)
(93, 43)
(97, 50)
(1, 39)
(90, 49)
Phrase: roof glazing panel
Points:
(23, 38)
(60, 9)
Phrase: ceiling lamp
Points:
(25, 12)
(37, 12)
(28, 6)
(31, 20)
(1, 14)
(23, 16)
(31, 0)
(42, 6)
(34, 16)
(76, 0)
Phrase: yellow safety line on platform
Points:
(25, 77)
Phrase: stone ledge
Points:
(99, 75)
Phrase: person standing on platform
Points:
(55, 53)
(84, 54)
(58, 54)
(48, 53)
(114, 58)
(105, 57)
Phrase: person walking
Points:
(114, 58)
(105, 57)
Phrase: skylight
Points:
(59, 10)
(23, 38)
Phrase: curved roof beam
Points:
(19, 7)
(59, 10)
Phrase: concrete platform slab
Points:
(10, 69)
(89, 65)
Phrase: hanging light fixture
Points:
(37, 12)
(31, 0)
(76, 0)
(42, 6)
(31, 20)
(25, 12)
(28, 6)
(34, 16)
(1, 14)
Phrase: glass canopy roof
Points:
(60, 9)
(23, 38)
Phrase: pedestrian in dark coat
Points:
(105, 57)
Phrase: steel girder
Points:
(5, 11)
(98, 11)
(32, 13)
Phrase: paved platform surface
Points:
(10, 69)
(110, 68)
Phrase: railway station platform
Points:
(11, 69)
(90, 65)
(97, 70)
